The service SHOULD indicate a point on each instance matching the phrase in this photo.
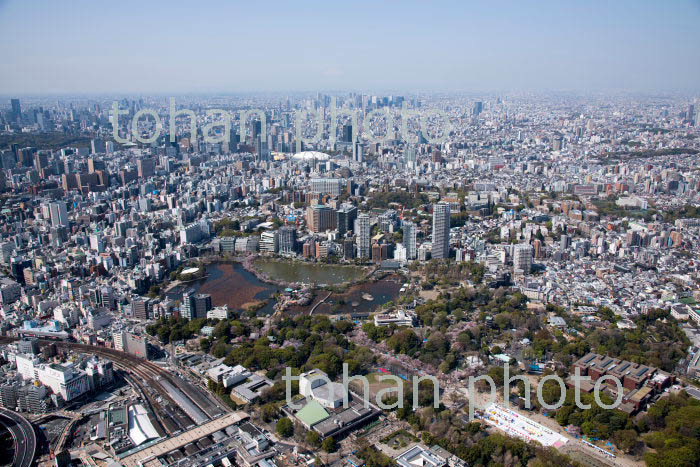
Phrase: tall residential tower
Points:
(441, 231)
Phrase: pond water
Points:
(362, 298)
(231, 284)
(309, 273)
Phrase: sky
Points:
(218, 46)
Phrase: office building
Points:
(269, 242)
(346, 218)
(98, 146)
(357, 152)
(690, 114)
(320, 218)
(58, 213)
(146, 167)
(347, 134)
(349, 248)
(262, 150)
(16, 109)
(140, 308)
(28, 346)
(330, 186)
(195, 305)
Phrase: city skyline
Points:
(512, 46)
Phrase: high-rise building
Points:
(31, 398)
(262, 150)
(347, 134)
(320, 218)
(363, 231)
(9, 394)
(357, 149)
(146, 167)
(346, 218)
(557, 143)
(195, 305)
(16, 109)
(441, 231)
(537, 244)
(378, 253)
(97, 146)
(349, 248)
(409, 239)
(269, 242)
(95, 165)
(140, 308)
(59, 213)
(411, 157)
(690, 114)
(255, 129)
(331, 186)
(564, 242)
(478, 108)
(287, 240)
(41, 160)
(522, 258)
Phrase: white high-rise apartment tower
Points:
(522, 258)
(363, 232)
(409, 239)
(441, 231)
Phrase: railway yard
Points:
(177, 403)
(176, 406)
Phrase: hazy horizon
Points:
(87, 48)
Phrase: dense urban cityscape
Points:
(152, 294)
(360, 234)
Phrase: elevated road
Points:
(23, 435)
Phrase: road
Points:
(23, 434)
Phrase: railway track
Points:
(146, 377)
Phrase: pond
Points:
(361, 298)
(230, 284)
(309, 273)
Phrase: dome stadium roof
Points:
(308, 155)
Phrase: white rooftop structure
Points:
(315, 385)
(522, 427)
(230, 376)
(310, 155)
(420, 456)
(140, 427)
